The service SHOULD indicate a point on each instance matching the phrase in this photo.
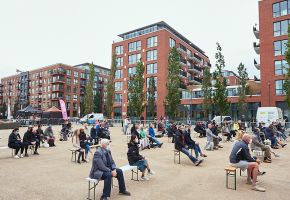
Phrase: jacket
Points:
(29, 137)
(210, 135)
(93, 132)
(48, 132)
(151, 132)
(269, 133)
(99, 164)
(179, 141)
(13, 139)
(240, 152)
(256, 141)
(133, 153)
(189, 142)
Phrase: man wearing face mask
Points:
(29, 138)
(104, 168)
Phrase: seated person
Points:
(14, 142)
(210, 136)
(40, 135)
(29, 138)
(102, 132)
(257, 143)
(269, 132)
(180, 146)
(48, 135)
(152, 137)
(144, 141)
(161, 128)
(226, 131)
(93, 135)
(240, 157)
(136, 130)
(199, 129)
(135, 159)
(216, 140)
(77, 144)
(84, 143)
(104, 167)
(191, 144)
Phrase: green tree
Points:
(89, 97)
(242, 89)
(286, 85)
(220, 94)
(151, 102)
(98, 102)
(136, 91)
(15, 108)
(207, 92)
(110, 97)
(172, 99)
(3, 110)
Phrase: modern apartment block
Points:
(272, 33)
(152, 45)
(43, 87)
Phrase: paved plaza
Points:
(52, 175)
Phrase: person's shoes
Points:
(16, 157)
(21, 156)
(144, 178)
(36, 153)
(26, 155)
(151, 172)
(79, 162)
(249, 182)
(259, 189)
(198, 162)
(126, 193)
(103, 198)
(215, 148)
(203, 155)
(267, 161)
(276, 155)
(84, 161)
(284, 145)
(275, 147)
(261, 173)
(219, 146)
(160, 145)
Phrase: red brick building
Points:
(274, 18)
(152, 44)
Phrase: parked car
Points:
(217, 119)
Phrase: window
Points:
(284, 27)
(276, 10)
(152, 68)
(67, 97)
(279, 87)
(75, 97)
(281, 28)
(133, 59)
(76, 74)
(152, 55)
(280, 47)
(277, 29)
(68, 72)
(131, 71)
(119, 62)
(134, 46)
(281, 67)
(152, 42)
(119, 74)
(148, 81)
(118, 86)
(172, 43)
(283, 8)
(68, 81)
(155, 96)
(232, 92)
(118, 98)
(119, 50)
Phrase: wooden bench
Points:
(95, 146)
(232, 172)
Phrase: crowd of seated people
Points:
(201, 129)
(15, 142)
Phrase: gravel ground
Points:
(52, 176)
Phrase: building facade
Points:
(274, 19)
(152, 45)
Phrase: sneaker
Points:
(151, 172)
(36, 153)
(26, 155)
(249, 182)
(259, 189)
(21, 156)
(160, 145)
(261, 173)
(219, 146)
(126, 193)
(16, 156)
(198, 162)
(203, 155)
(284, 145)
(144, 178)
(267, 161)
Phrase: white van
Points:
(92, 118)
(269, 115)
(217, 119)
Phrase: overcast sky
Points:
(37, 33)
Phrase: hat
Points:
(105, 141)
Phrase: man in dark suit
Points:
(104, 168)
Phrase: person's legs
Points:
(186, 152)
(107, 177)
(155, 141)
(16, 147)
(121, 181)
(267, 151)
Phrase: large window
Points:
(134, 46)
(281, 67)
(281, 28)
(148, 81)
(152, 42)
(152, 55)
(118, 98)
(118, 86)
(119, 74)
(281, 8)
(172, 42)
(131, 71)
(152, 68)
(119, 62)
(280, 47)
(279, 87)
(133, 59)
(119, 50)
(155, 95)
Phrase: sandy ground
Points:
(52, 175)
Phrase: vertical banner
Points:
(63, 109)
(8, 110)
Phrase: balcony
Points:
(256, 32)
(194, 57)
(57, 72)
(57, 89)
(182, 74)
(195, 80)
(195, 69)
(257, 47)
(182, 87)
(182, 63)
(58, 80)
(40, 84)
(257, 64)
(180, 49)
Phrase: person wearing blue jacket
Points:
(152, 136)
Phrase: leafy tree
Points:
(207, 92)
(242, 89)
(136, 91)
(220, 95)
(151, 103)
(98, 102)
(3, 110)
(286, 85)
(172, 99)
(15, 108)
(110, 97)
(89, 97)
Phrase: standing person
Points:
(240, 157)
(29, 138)
(39, 134)
(216, 140)
(135, 159)
(104, 167)
(86, 129)
(126, 124)
(14, 142)
(48, 135)
(77, 144)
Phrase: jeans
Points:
(155, 140)
(274, 141)
(281, 134)
(107, 177)
(197, 150)
(87, 148)
(186, 152)
(125, 129)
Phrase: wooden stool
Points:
(176, 153)
(232, 172)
